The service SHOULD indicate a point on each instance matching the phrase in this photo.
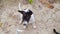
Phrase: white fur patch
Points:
(34, 26)
(25, 22)
(32, 18)
(26, 10)
(24, 27)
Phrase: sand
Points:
(46, 19)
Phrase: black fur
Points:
(55, 31)
(26, 15)
(20, 11)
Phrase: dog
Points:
(55, 31)
(27, 15)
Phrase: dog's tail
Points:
(19, 6)
(55, 31)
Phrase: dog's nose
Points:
(24, 24)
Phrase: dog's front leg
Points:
(33, 21)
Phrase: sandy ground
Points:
(46, 19)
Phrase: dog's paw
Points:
(34, 27)
(24, 27)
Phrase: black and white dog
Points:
(55, 31)
(27, 15)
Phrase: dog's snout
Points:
(24, 24)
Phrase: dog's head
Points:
(25, 12)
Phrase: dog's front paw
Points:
(24, 27)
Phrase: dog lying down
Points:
(27, 15)
(55, 31)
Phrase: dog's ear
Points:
(20, 11)
(30, 12)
